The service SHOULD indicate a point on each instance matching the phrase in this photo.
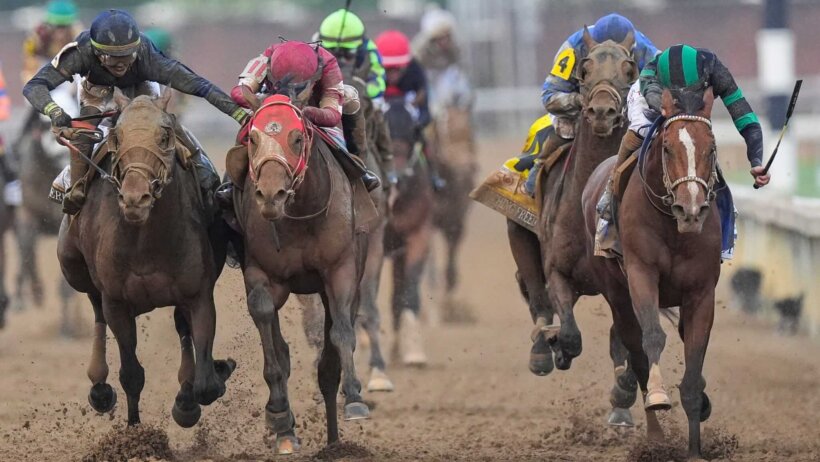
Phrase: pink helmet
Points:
(394, 47)
(295, 63)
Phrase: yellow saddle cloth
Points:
(504, 192)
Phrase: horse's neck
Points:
(313, 193)
(590, 150)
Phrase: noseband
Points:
(157, 181)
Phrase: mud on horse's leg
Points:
(186, 411)
(697, 317)
(132, 375)
(263, 309)
(339, 295)
(102, 396)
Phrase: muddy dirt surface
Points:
(475, 401)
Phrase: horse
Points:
(5, 222)
(295, 208)
(561, 266)
(671, 240)
(39, 160)
(409, 231)
(456, 162)
(143, 240)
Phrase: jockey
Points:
(435, 45)
(406, 80)
(5, 112)
(111, 54)
(48, 38)
(310, 75)
(343, 34)
(560, 93)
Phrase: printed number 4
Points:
(563, 64)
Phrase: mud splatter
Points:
(138, 442)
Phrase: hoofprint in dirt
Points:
(475, 401)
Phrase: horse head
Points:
(145, 148)
(689, 157)
(403, 134)
(605, 75)
(279, 145)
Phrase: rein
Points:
(669, 198)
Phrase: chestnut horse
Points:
(143, 241)
(552, 268)
(671, 239)
(409, 231)
(295, 206)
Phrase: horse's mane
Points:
(688, 101)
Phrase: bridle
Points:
(606, 85)
(157, 182)
(296, 173)
(669, 198)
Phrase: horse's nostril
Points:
(704, 209)
(145, 201)
(610, 112)
(677, 210)
(259, 196)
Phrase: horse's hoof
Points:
(541, 362)
(620, 417)
(379, 381)
(705, 407)
(224, 368)
(102, 397)
(657, 400)
(621, 398)
(562, 361)
(186, 416)
(356, 411)
(286, 445)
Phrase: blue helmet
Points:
(611, 27)
(115, 33)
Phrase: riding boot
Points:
(75, 197)
(384, 148)
(357, 144)
(629, 144)
(206, 174)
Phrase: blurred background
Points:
(507, 47)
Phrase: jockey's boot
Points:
(206, 174)
(384, 148)
(630, 143)
(552, 143)
(75, 197)
(354, 124)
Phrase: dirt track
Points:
(475, 401)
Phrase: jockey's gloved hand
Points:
(59, 118)
(241, 115)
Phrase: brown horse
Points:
(295, 206)
(409, 231)
(456, 162)
(131, 250)
(671, 239)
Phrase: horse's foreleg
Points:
(369, 317)
(340, 293)
(563, 297)
(625, 389)
(101, 397)
(263, 310)
(643, 288)
(330, 374)
(408, 298)
(208, 385)
(697, 317)
(186, 411)
(530, 277)
(453, 234)
(132, 375)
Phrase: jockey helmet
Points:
(611, 27)
(394, 47)
(678, 67)
(61, 13)
(115, 33)
(437, 22)
(293, 66)
(159, 37)
(341, 29)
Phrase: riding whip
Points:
(789, 112)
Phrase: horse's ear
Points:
(236, 165)
(668, 103)
(250, 97)
(163, 99)
(629, 41)
(708, 100)
(120, 99)
(589, 42)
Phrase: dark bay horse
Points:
(295, 206)
(552, 267)
(409, 232)
(39, 158)
(142, 241)
(671, 239)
